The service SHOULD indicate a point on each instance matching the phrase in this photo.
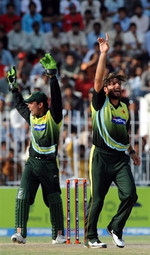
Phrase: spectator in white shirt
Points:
(92, 5)
(36, 38)
(135, 83)
(133, 40)
(17, 126)
(17, 39)
(54, 40)
(42, 83)
(105, 20)
(77, 40)
(88, 21)
(141, 20)
(115, 35)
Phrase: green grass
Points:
(139, 245)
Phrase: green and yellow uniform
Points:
(44, 135)
(41, 167)
(109, 163)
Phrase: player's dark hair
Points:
(111, 76)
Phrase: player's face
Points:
(113, 89)
(35, 108)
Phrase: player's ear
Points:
(41, 104)
(105, 89)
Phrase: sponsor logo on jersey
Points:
(39, 127)
(118, 120)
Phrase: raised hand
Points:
(49, 64)
(11, 77)
(103, 43)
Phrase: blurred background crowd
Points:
(69, 30)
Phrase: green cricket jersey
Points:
(44, 134)
(44, 130)
(110, 123)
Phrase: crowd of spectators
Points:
(69, 30)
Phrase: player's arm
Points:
(135, 157)
(132, 153)
(18, 100)
(56, 100)
(50, 67)
(99, 95)
(100, 70)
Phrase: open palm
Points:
(104, 43)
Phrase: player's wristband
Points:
(132, 152)
(51, 72)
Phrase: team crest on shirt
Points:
(39, 127)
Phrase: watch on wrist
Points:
(132, 152)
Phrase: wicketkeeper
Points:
(42, 165)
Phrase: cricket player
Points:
(108, 160)
(41, 166)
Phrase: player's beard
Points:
(112, 95)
